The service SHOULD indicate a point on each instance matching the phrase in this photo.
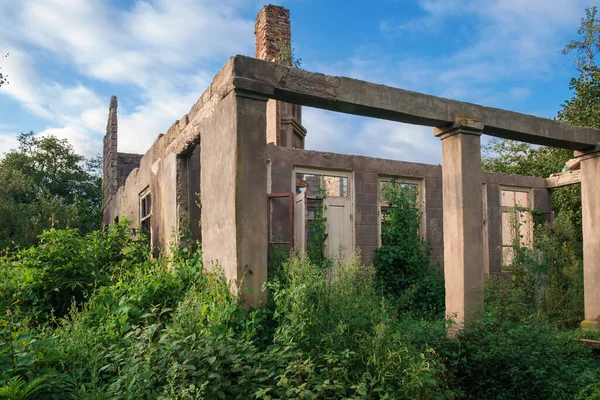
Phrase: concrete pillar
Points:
(590, 202)
(234, 199)
(462, 204)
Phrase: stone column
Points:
(234, 199)
(590, 207)
(462, 204)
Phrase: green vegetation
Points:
(93, 316)
(44, 184)
(3, 77)
(88, 314)
(402, 263)
(317, 233)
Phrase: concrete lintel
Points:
(589, 153)
(353, 96)
(564, 179)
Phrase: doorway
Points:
(331, 193)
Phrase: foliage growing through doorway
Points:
(403, 267)
(317, 233)
(549, 276)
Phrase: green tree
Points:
(583, 109)
(44, 183)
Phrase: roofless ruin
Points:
(236, 161)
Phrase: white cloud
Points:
(501, 39)
(341, 133)
(164, 49)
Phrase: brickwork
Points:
(110, 157)
(494, 225)
(366, 213)
(272, 29)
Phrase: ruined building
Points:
(236, 161)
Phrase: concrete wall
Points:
(366, 173)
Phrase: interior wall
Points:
(367, 172)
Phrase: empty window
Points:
(315, 184)
(145, 210)
(410, 189)
(517, 224)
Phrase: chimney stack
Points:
(109, 159)
(273, 31)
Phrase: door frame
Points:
(350, 190)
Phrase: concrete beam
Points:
(379, 101)
(564, 179)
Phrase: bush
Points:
(163, 328)
(551, 274)
(65, 267)
(404, 270)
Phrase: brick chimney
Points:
(273, 31)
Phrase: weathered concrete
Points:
(564, 179)
(234, 202)
(590, 202)
(363, 98)
(463, 241)
(165, 221)
(365, 189)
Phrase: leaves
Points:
(45, 184)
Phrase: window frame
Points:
(420, 183)
(144, 196)
(323, 173)
(515, 210)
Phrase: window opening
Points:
(145, 211)
(311, 184)
(409, 187)
(517, 223)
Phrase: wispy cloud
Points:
(160, 49)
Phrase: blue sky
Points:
(67, 57)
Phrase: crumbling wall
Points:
(366, 174)
(494, 182)
(110, 160)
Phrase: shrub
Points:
(65, 267)
(404, 270)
